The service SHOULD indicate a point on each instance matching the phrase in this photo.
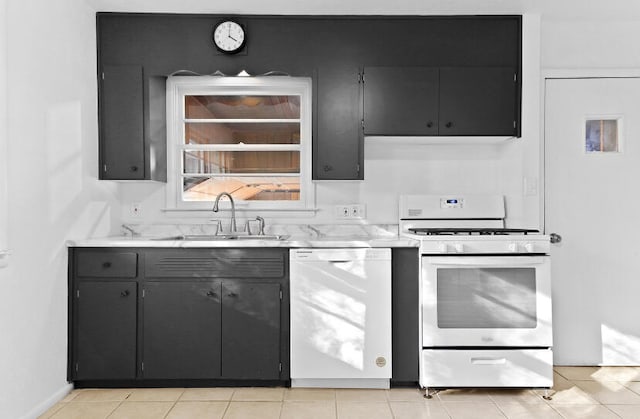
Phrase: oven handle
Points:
(503, 261)
(488, 361)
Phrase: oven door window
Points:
(486, 298)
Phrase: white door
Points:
(593, 202)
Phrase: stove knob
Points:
(513, 247)
(443, 248)
(459, 247)
(528, 247)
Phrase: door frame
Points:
(567, 73)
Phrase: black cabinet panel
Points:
(338, 135)
(332, 48)
(447, 101)
(106, 330)
(181, 329)
(103, 264)
(215, 263)
(122, 123)
(478, 101)
(401, 101)
(404, 315)
(250, 330)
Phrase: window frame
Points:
(178, 87)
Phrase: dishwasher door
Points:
(340, 317)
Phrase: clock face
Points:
(229, 36)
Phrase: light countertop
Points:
(293, 241)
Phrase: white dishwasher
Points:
(340, 317)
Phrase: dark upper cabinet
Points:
(337, 145)
(332, 50)
(445, 101)
(122, 123)
(132, 124)
(105, 331)
(478, 101)
(181, 329)
(401, 101)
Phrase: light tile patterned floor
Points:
(579, 392)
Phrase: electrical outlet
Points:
(342, 211)
(356, 210)
(135, 210)
(351, 211)
(530, 186)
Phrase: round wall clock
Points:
(229, 36)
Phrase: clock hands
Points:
(229, 33)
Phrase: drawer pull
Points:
(106, 265)
(488, 361)
(124, 293)
(211, 294)
(232, 294)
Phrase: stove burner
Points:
(471, 231)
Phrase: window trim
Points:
(180, 86)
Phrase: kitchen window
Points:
(248, 136)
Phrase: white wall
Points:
(3, 131)
(53, 193)
(591, 43)
(604, 47)
(392, 169)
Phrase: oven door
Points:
(478, 301)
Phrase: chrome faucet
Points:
(233, 228)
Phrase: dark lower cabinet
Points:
(181, 329)
(405, 303)
(178, 314)
(105, 330)
(251, 330)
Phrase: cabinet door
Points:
(121, 123)
(337, 142)
(106, 330)
(251, 330)
(477, 101)
(181, 332)
(400, 101)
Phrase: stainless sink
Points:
(218, 237)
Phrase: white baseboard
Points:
(49, 402)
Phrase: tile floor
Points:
(579, 392)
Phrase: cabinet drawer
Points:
(487, 368)
(215, 263)
(102, 264)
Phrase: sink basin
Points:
(218, 237)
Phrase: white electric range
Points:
(485, 294)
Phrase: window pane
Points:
(234, 133)
(601, 135)
(198, 161)
(242, 188)
(242, 107)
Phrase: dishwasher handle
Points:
(339, 255)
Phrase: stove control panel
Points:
(438, 245)
(448, 203)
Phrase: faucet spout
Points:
(233, 228)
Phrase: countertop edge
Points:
(327, 242)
